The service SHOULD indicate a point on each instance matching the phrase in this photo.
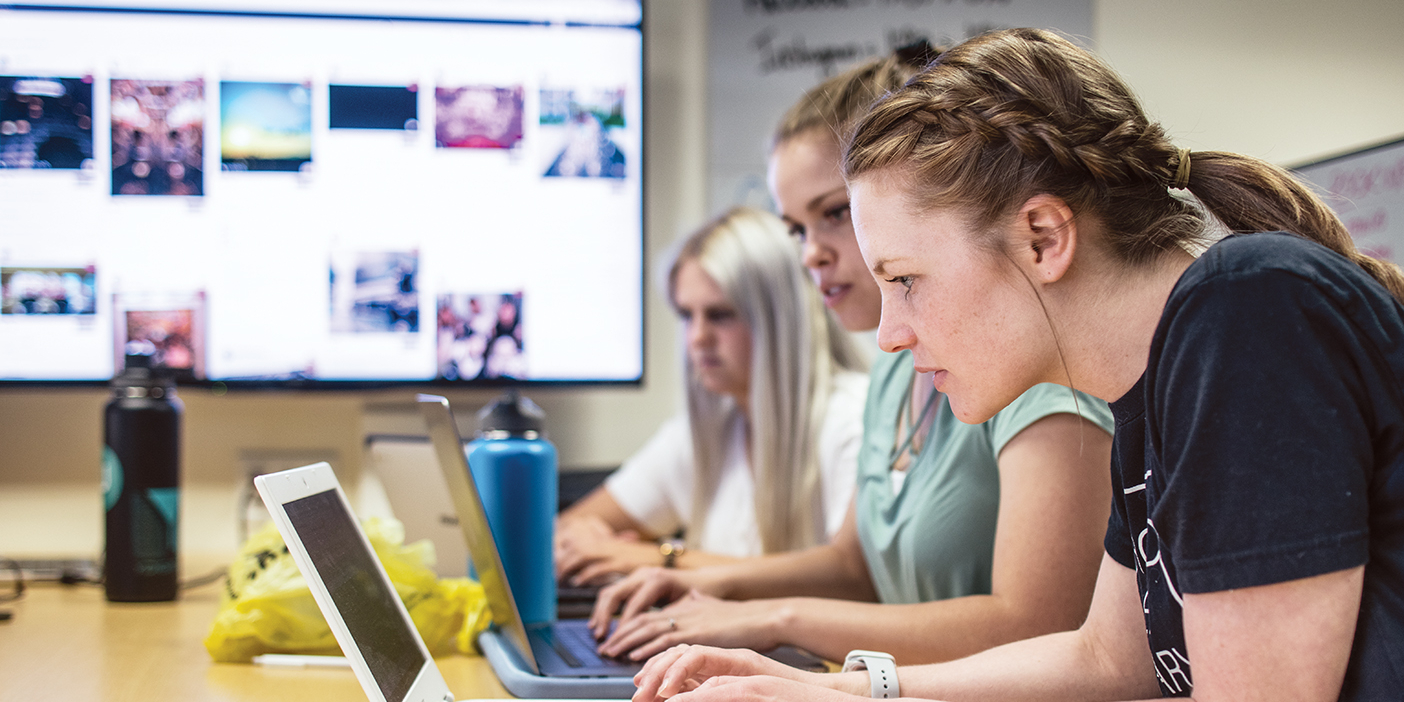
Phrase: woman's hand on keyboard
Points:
(737, 672)
(700, 619)
(640, 590)
(589, 552)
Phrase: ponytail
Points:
(1250, 195)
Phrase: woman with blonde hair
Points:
(961, 536)
(1030, 223)
(763, 460)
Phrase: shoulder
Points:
(670, 445)
(1274, 291)
(849, 390)
(1277, 259)
(1042, 401)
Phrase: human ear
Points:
(1045, 237)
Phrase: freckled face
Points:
(804, 179)
(718, 340)
(965, 313)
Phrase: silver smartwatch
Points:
(882, 672)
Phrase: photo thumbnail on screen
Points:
(376, 291)
(167, 336)
(478, 117)
(46, 122)
(373, 107)
(48, 291)
(158, 137)
(265, 126)
(580, 122)
(168, 327)
(480, 336)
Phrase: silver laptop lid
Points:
(472, 518)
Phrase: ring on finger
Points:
(672, 624)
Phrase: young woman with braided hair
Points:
(960, 537)
(1028, 223)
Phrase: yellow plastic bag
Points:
(267, 607)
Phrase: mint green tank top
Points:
(934, 537)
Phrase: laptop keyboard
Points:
(574, 644)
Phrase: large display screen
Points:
(316, 193)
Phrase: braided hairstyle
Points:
(835, 103)
(1015, 113)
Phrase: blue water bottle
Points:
(514, 467)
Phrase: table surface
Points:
(67, 642)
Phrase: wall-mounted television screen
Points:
(311, 193)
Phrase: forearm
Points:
(822, 571)
(701, 559)
(1051, 668)
(913, 633)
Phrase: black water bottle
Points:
(141, 484)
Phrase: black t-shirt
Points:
(1265, 443)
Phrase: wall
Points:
(50, 439)
(1287, 80)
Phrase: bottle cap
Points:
(513, 415)
(139, 379)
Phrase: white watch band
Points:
(882, 672)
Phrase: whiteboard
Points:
(1366, 189)
(763, 55)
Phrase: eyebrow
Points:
(879, 268)
(814, 203)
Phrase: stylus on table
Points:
(286, 660)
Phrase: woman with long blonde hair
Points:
(763, 460)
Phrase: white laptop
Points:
(351, 588)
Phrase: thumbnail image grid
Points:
(581, 121)
(480, 336)
(48, 291)
(45, 122)
(158, 136)
(375, 291)
(478, 117)
(265, 126)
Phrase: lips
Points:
(834, 293)
(938, 375)
(707, 362)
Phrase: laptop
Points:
(549, 659)
(350, 586)
(555, 659)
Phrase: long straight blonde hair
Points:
(797, 347)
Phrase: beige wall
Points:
(1287, 80)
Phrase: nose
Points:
(893, 334)
(815, 255)
(699, 332)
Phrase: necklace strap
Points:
(911, 432)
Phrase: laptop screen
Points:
(363, 599)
